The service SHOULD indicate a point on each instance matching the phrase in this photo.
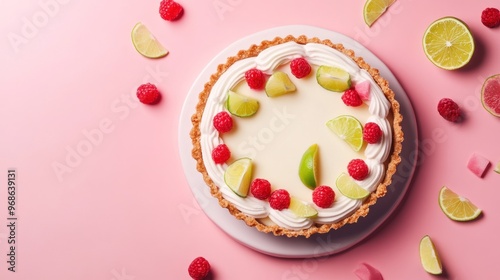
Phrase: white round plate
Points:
(321, 244)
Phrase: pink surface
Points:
(121, 208)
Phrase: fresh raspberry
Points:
(221, 154)
(449, 110)
(260, 188)
(490, 17)
(223, 122)
(323, 196)
(358, 169)
(199, 268)
(300, 67)
(148, 94)
(279, 199)
(372, 133)
(170, 10)
(255, 78)
(351, 98)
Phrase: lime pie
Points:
(297, 136)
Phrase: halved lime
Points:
(429, 257)
(448, 43)
(238, 176)
(308, 167)
(373, 9)
(145, 43)
(278, 84)
(241, 105)
(349, 129)
(333, 78)
(348, 187)
(456, 207)
(301, 208)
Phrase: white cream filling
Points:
(268, 61)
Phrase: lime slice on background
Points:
(373, 9)
(238, 176)
(333, 78)
(145, 42)
(301, 208)
(349, 188)
(349, 129)
(497, 168)
(241, 105)
(429, 257)
(448, 43)
(308, 167)
(278, 84)
(490, 95)
(456, 207)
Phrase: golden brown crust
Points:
(395, 159)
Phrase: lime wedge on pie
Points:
(145, 43)
(238, 176)
(301, 208)
(278, 84)
(349, 129)
(308, 167)
(333, 78)
(241, 105)
(349, 188)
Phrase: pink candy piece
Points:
(478, 164)
(367, 272)
(363, 89)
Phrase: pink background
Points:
(123, 208)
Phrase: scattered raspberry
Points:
(372, 133)
(221, 154)
(255, 78)
(300, 67)
(323, 196)
(490, 17)
(260, 188)
(199, 268)
(351, 98)
(449, 110)
(279, 199)
(148, 94)
(223, 122)
(170, 10)
(358, 169)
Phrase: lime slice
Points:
(241, 105)
(301, 208)
(448, 43)
(238, 176)
(373, 9)
(278, 84)
(349, 129)
(308, 167)
(429, 256)
(457, 207)
(333, 78)
(145, 43)
(497, 168)
(348, 187)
